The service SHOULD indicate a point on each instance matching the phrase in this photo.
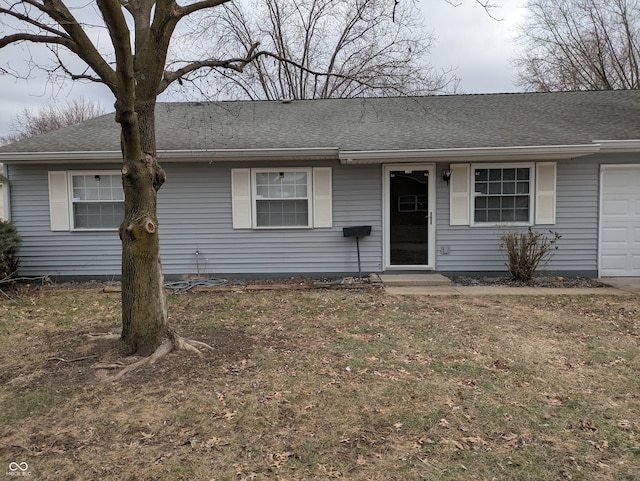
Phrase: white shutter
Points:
(459, 195)
(59, 201)
(545, 193)
(322, 209)
(2, 217)
(241, 198)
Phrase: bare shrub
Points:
(526, 251)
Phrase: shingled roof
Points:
(369, 124)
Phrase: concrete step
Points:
(408, 280)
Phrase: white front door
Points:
(409, 216)
(620, 221)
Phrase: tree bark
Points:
(144, 307)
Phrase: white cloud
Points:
(480, 46)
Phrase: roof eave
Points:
(516, 153)
(221, 155)
(519, 153)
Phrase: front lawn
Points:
(327, 384)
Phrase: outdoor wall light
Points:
(446, 175)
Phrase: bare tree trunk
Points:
(144, 308)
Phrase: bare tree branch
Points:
(313, 48)
(580, 44)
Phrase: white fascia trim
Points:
(222, 155)
(539, 152)
(60, 157)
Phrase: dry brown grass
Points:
(320, 385)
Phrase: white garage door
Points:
(620, 221)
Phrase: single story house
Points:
(267, 187)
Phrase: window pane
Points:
(97, 187)
(508, 202)
(282, 213)
(98, 215)
(482, 174)
(494, 202)
(509, 188)
(522, 201)
(93, 201)
(508, 174)
(502, 195)
(493, 215)
(281, 185)
(521, 215)
(507, 216)
(495, 188)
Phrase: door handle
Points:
(430, 217)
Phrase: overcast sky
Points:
(480, 47)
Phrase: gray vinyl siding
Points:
(201, 221)
(475, 249)
(57, 253)
(194, 212)
(194, 209)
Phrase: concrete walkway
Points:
(424, 285)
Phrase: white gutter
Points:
(619, 145)
(223, 155)
(539, 152)
(220, 155)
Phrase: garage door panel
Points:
(620, 221)
(615, 235)
(615, 262)
(616, 208)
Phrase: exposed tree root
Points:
(172, 343)
(107, 336)
(60, 359)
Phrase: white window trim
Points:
(254, 197)
(70, 175)
(532, 193)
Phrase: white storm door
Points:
(409, 216)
